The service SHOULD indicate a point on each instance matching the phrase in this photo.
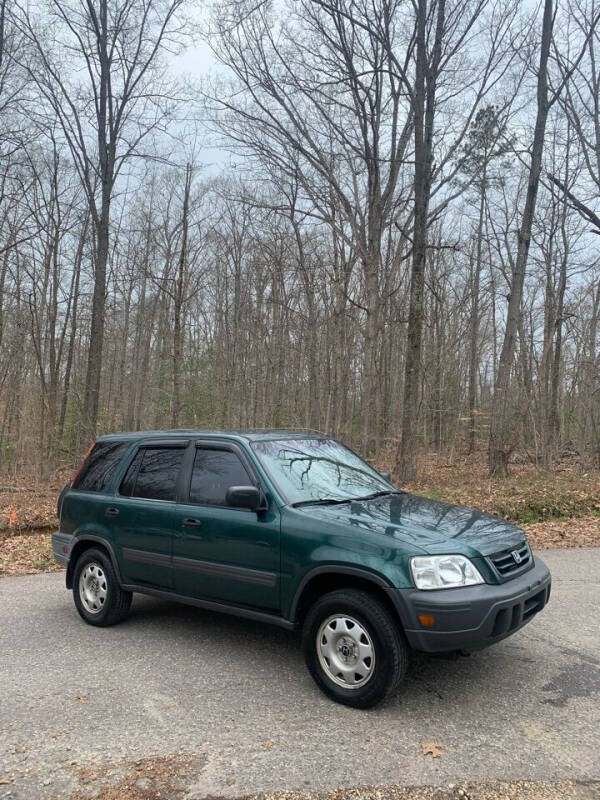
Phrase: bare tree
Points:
(107, 115)
(502, 428)
(363, 231)
(581, 103)
(443, 31)
(487, 141)
(423, 104)
(331, 117)
(179, 297)
(503, 431)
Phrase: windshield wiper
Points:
(321, 501)
(378, 494)
(326, 501)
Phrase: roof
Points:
(255, 435)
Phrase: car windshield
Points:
(313, 469)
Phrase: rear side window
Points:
(213, 473)
(97, 469)
(153, 473)
(128, 482)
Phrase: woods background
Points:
(395, 243)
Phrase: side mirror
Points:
(244, 497)
(386, 476)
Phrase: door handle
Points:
(111, 512)
(190, 522)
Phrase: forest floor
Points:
(557, 509)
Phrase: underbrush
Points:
(527, 496)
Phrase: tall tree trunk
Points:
(106, 155)
(73, 332)
(2, 18)
(474, 321)
(593, 378)
(178, 302)
(502, 428)
(553, 411)
(424, 92)
(370, 388)
(94, 361)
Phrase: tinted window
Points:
(101, 462)
(157, 474)
(128, 482)
(214, 472)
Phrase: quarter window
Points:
(153, 473)
(214, 472)
(98, 468)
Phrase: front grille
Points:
(505, 562)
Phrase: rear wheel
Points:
(96, 591)
(354, 648)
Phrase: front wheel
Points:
(354, 648)
(96, 591)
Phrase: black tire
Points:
(116, 604)
(391, 652)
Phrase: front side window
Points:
(153, 473)
(98, 468)
(312, 469)
(214, 472)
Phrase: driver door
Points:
(222, 553)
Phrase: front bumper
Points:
(472, 617)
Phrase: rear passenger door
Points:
(84, 504)
(223, 553)
(145, 517)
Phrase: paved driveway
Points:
(234, 700)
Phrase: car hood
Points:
(427, 524)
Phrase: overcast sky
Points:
(198, 62)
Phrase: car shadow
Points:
(274, 652)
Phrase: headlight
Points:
(444, 572)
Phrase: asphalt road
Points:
(235, 701)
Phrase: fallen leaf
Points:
(5, 780)
(268, 745)
(434, 750)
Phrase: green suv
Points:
(293, 529)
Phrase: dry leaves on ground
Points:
(26, 553)
(430, 749)
(28, 507)
(584, 532)
(154, 778)
(528, 495)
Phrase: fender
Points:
(90, 537)
(335, 569)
